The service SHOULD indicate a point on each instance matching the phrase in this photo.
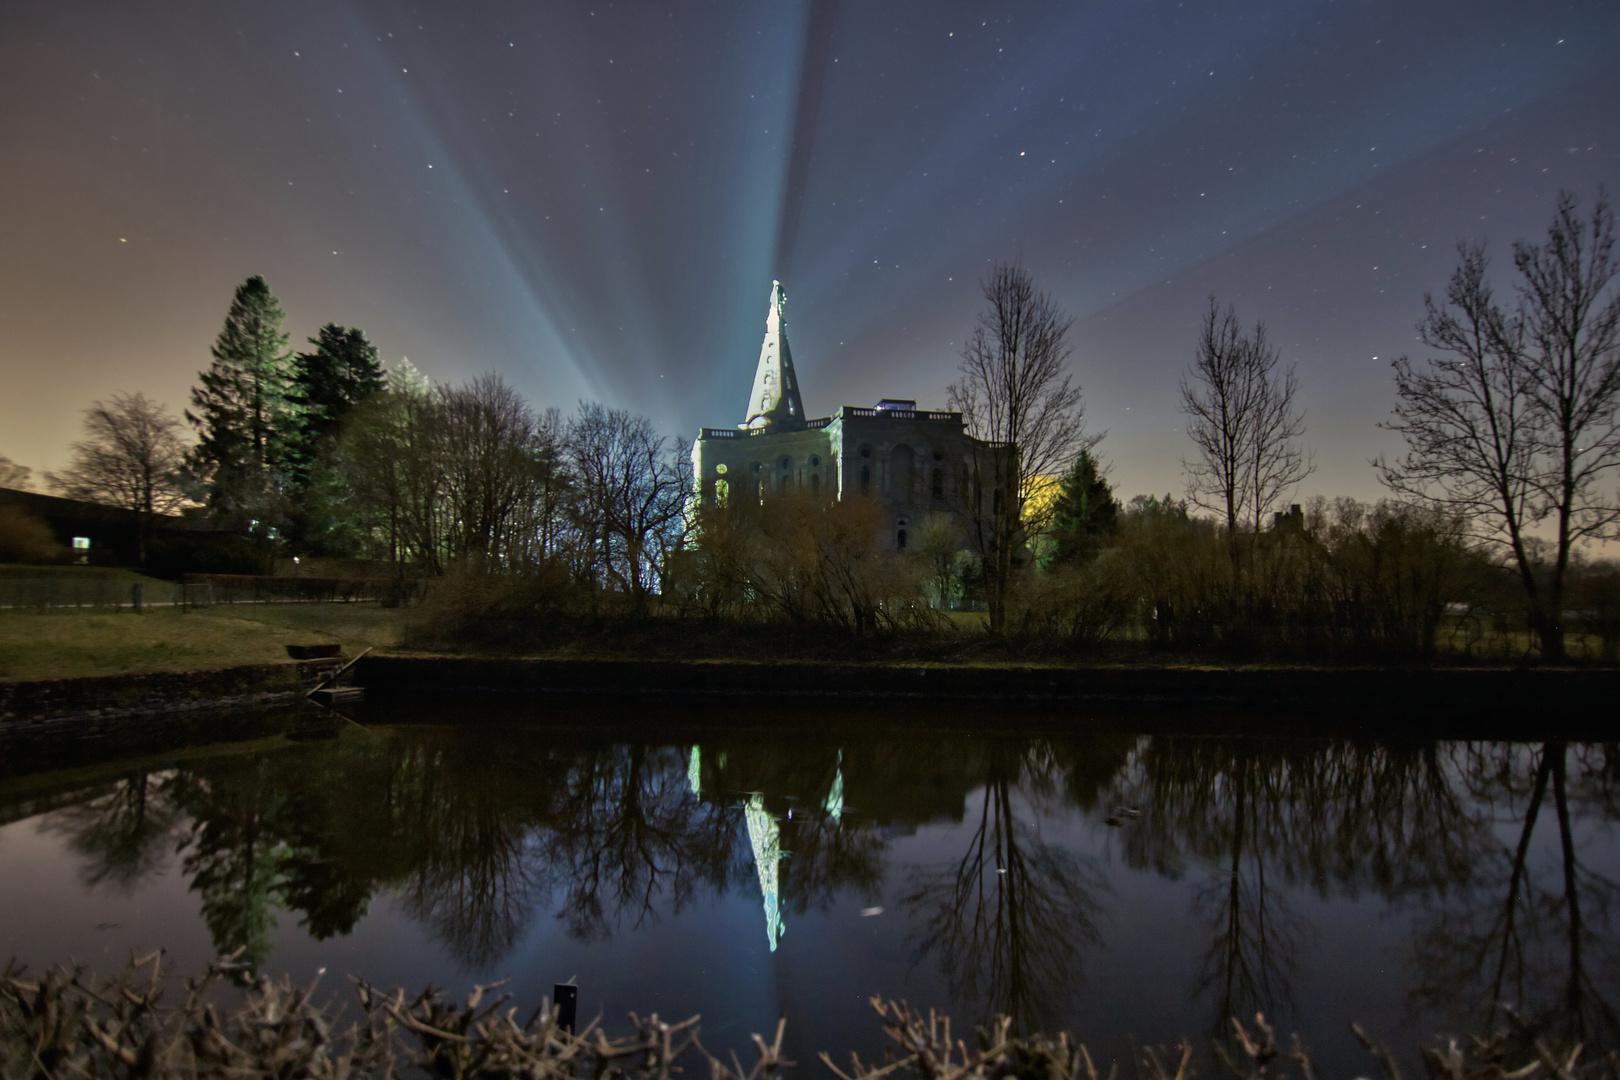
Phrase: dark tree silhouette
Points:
(1016, 395)
(1516, 427)
(1245, 422)
(1085, 515)
(241, 410)
(1009, 923)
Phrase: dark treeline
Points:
(1495, 848)
(527, 528)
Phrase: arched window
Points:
(900, 539)
(866, 478)
(815, 483)
(722, 492)
(939, 483)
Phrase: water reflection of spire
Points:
(834, 805)
(766, 839)
(694, 773)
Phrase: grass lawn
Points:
(67, 644)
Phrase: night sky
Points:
(592, 199)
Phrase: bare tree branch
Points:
(1016, 396)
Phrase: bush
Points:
(1083, 605)
(70, 1023)
(473, 606)
(808, 561)
(25, 538)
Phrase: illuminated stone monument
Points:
(911, 460)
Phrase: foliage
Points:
(242, 411)
(69, 1022)
(1085, 515)
(809, 561)
(340, 373)
(475, 605)
(25, 538)
(1081, 603)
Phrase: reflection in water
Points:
(766, 840)
(834, 802)
(1502, 853)
(1543, 942)
(1008, 922)
(124, 834)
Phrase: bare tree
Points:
(1519, 426)
(13, 475)
(132, 456)
(631, 486)
(391, 471)
(1017, 398)
(488, 438)
(1244, 421)
(1571, 324)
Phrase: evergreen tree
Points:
(241, 408)
(341, 372)
(1084, 514)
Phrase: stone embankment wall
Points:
(1478, 699)
(80, 718)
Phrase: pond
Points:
(744, 863)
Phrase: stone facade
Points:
(912, 460)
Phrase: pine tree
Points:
(341, 372)
(241, 409)
(1084, 514)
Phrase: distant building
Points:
(100, 535)
(911, 460)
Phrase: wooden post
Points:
(566, 995)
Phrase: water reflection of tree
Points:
(1266, 817)
(470, 871)
(626, 836)
(475, 845)
(1530, 929)
(233, 851)
(1008, 922)
(124, 834)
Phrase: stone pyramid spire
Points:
(775, 401)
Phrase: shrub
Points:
(25, 538)
(70, 1023)
(473, 606)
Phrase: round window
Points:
(721, 469)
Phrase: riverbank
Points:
(1570, 701)
(93, 676)
(55, 722)
(70, 644)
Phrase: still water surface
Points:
(1113, 884)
